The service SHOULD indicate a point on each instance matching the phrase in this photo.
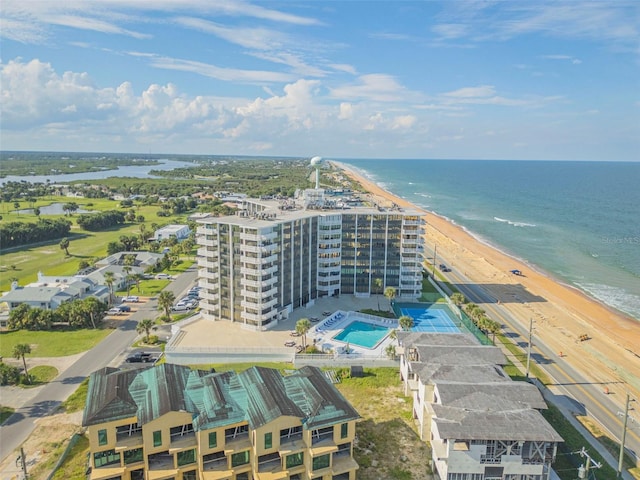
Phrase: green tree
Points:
(145, 326)
(405, 322)
(302, 327)
(391, 351)
(377, 283)
(36, 212)
(94, 309)
(64, 245)
(18, 317)
(458, 299)
(19, 351)
(390, 293)
(109, 279)
(165, 302)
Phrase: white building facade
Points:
(258, 266)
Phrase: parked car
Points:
(163, 276)
(119, 310)
(140, 357)
(180, 308)
(131, 298)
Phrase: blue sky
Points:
(341, 79)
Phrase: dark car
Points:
(444, 268)
(139, 357)
(124, 308)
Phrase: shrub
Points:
(153, 339)
(9, 375)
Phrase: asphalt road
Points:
(20, 425)
(585, 396)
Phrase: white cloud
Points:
(450, 31)
(221, 73)
(472, 92)
(346, 111)
(255, 38)
(573, 60)
(375, 87)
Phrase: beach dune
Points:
(562, 315)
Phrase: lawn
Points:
(77, 399)
(40, 375)
(57, 343)
(5, 412)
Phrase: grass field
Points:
(24, 263)
(40, 375)
(5, 412)
(58, 343)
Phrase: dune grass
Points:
(77, 399)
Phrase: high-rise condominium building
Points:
(274, 256)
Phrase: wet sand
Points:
(561, 313)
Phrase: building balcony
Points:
(251, 260)
(125, 442)
(273, 279)
(207, 242)
(206, 230)
(270, 259)
(205, 273)
(208, 263)
(255, 317)
(249, 270)
(249, 283)
(329, 251)
(106, 472)
(211, 298)
(342, 464)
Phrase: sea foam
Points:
(515, 224)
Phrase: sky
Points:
(461, 79)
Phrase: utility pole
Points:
(435, 254)
(23, 460)
(529, 347)
(624, 437)
(583, 471)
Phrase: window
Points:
(133, 456)
(157, 438)
(108, 457)
(238, 459)
(344, 430)
(213, 439)
(294, 460)
(268, 443)
(242, 476)
(102, 437)
(190, 475)
(321, 462)
(186, 457)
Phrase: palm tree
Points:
(377, 283)
(145, 326)
(458, 299)
(302, 327)
(391, 351)
(109, 278)
(405, 322)
(64, 245)
(94, 308)
(390, 293)
(19, 351)
(165, 301)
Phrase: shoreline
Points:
(561, 311)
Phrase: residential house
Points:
(480, 424)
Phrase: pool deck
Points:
(206, 333)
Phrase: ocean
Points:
(579, 222)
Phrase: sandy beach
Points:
(561, 313)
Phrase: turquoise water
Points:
(579, 222)
(362, 334)
(431, 320)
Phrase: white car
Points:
(131, 298)
(163, 276)
(181, 307)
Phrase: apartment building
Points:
(171, 422)
(275, 256)
(480, 424)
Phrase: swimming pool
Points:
(362, 334)
(432, 319)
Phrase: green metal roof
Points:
(258, 395)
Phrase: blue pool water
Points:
(432, 320)
(362, 334)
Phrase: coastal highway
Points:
(586, 396)
(20, 425)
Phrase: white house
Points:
(179, 232)
(51, 291)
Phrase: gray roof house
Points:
(480, 423)
(51, 291)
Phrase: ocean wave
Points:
(615, 297)
(425, 195)
(515, 224)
